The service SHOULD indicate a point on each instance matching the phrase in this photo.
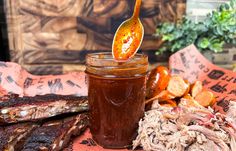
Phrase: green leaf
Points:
(200, 27)
(167, 27)
(227, 6)
(160, 51)
(219, 30)
(203, 43)
(177, 34)
(168, 37)
(175, 47)
(217, 47)
(232, 3)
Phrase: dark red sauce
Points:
(116, 106)
(116, 93)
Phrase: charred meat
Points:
(15, 109)
(52, 135)
(55, 135)
(11, 137)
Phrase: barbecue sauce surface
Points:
(115, 105)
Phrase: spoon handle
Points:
(137, 8)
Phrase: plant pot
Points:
(225, 59)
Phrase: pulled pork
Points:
(185, 128)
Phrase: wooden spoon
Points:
(128, 36)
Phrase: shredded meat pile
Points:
(185, 129)
(231, 113)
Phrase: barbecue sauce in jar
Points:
(116, 93)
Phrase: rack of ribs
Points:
(52, 135)
(11, 137)
(14, 109)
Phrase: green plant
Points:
(218, 28)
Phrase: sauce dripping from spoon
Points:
(128, 36)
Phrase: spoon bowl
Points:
(128, 37)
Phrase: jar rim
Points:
(106, 59)
(104, 64)
(95, 56)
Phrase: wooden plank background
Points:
(57, 34)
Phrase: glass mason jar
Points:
(116, 93)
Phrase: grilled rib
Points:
(15, 109)
(11, 137)
(54, 136)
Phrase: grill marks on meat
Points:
(15, 101)
(55, 135)
(14, 109)
(11, 137)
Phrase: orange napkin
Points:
(15, 79)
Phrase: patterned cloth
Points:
(15, 79)
(192, 65)
(86, 143)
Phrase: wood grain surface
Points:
(60, 32)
